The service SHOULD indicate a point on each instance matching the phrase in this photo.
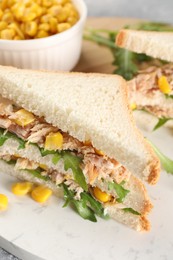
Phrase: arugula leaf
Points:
(119, 189)
(45, 152)
(161, 122)
(167, 164)
(5, 136)
(73, 162)
(57, 156)
(37, 173)
(94, 204)
(131, 211)
(79, 205)
(168, 96)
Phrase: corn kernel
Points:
(1, 13)
(54, 141)
(43, 166)
(22, 188)
(18, 10)
(100, 195)
(164, 85)
(72, 20)
(47, 3)
(42, 34)
(3, 25)
(133, 106)
(17, 29)
(23, 117)
(29, 17)
(31, 28)
(63, 27)
(41, 194)
(7, 34)
(62, 16)
(8, 17)
(55, 10)
(3, 202)
(3, 4)
(53, 25)
(10, 3)
(45, 18)
(99, 152)
(44, 26)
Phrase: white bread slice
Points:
(87, 106)
(155, 44)
(137, 198)
(139, 223)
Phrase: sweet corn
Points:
(100, 195)
(41, 194)
(30, 19)
(3, 202)
(43, 166)
(31, 28)
(22, 188)
(164, 85)
(99, 152)
(42, 34)
(44, 26)
(54, 141)
(3, 25)
(133, 106)
(7, 34)
(63, 27)
(23, 117)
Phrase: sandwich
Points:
(75, 133)
(152, 89)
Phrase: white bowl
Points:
(56, 52)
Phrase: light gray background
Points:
(156, 10)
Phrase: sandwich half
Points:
(75, 132)
(152, 89)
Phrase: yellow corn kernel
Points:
(23, 117)
(3, 25)
(7, 17)
(44, 26)
(47, 3)
(7, 34)
(100, 195)
(99, 152)
(22, 188)
(17, 29)
(62, 16)
(72, 20)
(31, 28)
(43, 166)
(29, 17)
(3, 202)
(18, 10)
(41, 194)
(53, 25)
(17, 38)
(55, 10)
(63, 27)
(10, 3)
(54, 141)
(1, 13)
(41, 34)
(164, 85)
(133, 106)
(3, 4)
(45, 18)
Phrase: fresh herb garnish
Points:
(5, 136)
(131, 211)
(161, 122)
(167, 164)
(168, 96)
(73, 162)
(127, 63)
(55, 159)
(80, 206)
(119, 189)
(37, 173)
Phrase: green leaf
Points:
(119, 189)
(161, 122)
(167, 164)
(94, 204)
(168, 96)
(131, 211)
(45, 152)
(5, 136)
(57, 156)
(37, 173)
(73, 162)
(80, 206)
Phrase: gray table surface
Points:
(156, 10)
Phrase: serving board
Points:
(33, 232)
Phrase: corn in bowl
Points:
(32, 19)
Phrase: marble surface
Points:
(148, 9)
